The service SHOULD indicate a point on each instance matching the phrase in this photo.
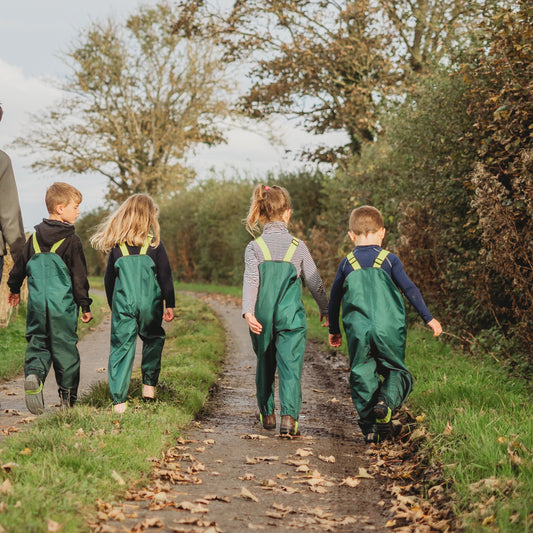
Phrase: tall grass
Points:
(64, 462)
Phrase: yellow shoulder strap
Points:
(54, 248)
(264, 248)
(353, 261)
(380, 258)
(291, 250)
(124, 249)
(147, 242)
(36, 247)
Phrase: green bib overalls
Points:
(373, 316)
(52, 320)
(281, 343)
(137, 310)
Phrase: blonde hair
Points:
(267, 204)
(60, 193)
(366, 219)
(131, 224)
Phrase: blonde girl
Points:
(138, 284)
(275, 262)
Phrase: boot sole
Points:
(33, 388)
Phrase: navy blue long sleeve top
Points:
(162, 266)
(392, 265)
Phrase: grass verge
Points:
(57, 468)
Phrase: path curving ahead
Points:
(229, 474)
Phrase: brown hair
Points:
(60, 193)
(131, 224)
(366, 219)
(267, 204)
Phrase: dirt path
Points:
(231, 475)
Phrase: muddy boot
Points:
(369, 430)
(33, 387)
(289, 426)
(267, 421)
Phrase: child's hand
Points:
(335, 340)
(253, 324)
(168, 315)
(86, 317)
(13, 299)
(326, 321)
(434, 324)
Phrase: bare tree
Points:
(138, 99)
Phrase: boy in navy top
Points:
(368, 283)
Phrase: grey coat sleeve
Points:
(11, 227)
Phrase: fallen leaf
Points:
(253, 436)
(333, 400)
(54, 526)
(247, 495)
(247, 477)
(320, 391)
(25, 451)
(117, 477)
(448, 430)
(297, 462)
(6, 487)
(329, 459)
(303, 452)
(254, 460)
(364, 474)
(351, 482)
(7, 467)
(192, 507)
(209, 441)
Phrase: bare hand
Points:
(326, 321)
(13, 299)
(86, 317)
(168, 315)
(253, 324)
(434, 324)
(335, 340)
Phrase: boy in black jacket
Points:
(54, 262)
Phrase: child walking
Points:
(272, 304)
(373, 316)
(54, 262)
(138, 283)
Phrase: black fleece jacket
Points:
(71, 252)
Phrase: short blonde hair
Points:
(60, 193)
(267, 204)
(130, 224)
(366, 219)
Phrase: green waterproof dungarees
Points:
(373, 316)
(137, 309)
(52, 320)
(281, 343)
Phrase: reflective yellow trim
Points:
(54, 248)
(264, 248)
(353, 261)
(291, 250)
(36, 247)
(124, 249)
(147, 242)
(380, 258)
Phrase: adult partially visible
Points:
(11, 227)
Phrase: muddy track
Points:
(229, 474)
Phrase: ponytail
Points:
(267, 204)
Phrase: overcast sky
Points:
(33, 35)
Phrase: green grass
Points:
(491, 436)
(13, 337)
(64, 462)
